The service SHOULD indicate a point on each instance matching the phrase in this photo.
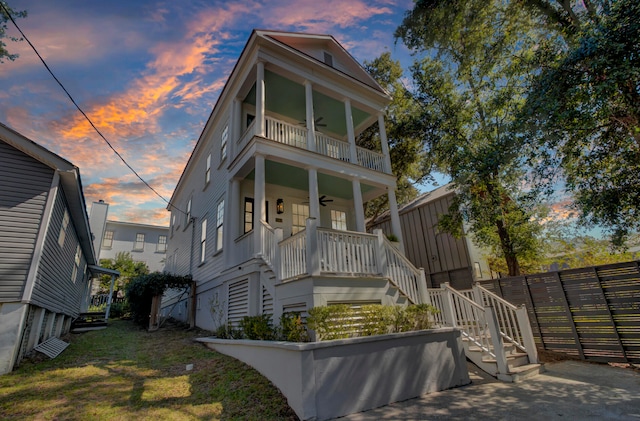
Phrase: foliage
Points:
(5, 12)
(127, 267)
(292, 328)
(470, 83)
(342, 321)
(227, 331)
(583, 112)
(141, 290)
(127, 373)
(120, 309)
(258, 327)
(407, 156)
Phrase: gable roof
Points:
(69, 180)
(422, 200)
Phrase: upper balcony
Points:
(313, 115)
(292, 135)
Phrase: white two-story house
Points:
(268, 215)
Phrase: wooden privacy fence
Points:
(592, 313)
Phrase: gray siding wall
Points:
(24, 187)
(124, 237)
(54, 289)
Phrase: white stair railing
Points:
(348, 253)
(513, 321)
(286, 133)
(293, 256)
(270, 239)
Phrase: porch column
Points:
(259, 211)
(350, 131)
(359, 206)
(108, 309)
(314, 195)
(260, 99)
(231, 214)
(384, 144)
(395, 218)
(311, 130)
(235, 127)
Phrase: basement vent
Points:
(238, 302)
(52, 347)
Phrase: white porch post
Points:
(358, 206)
(313, 254)
(259, 211)
(260, 99)
(350, 131)
(235, 128)
(395, 218)
(106, 313)
(314, 195)
(311, 130)
(384, 144)
(231, 214)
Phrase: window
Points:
(300, 213)
(219, 221)
(248, 213)
(207, 173)
(63, 228)
(162, 244)
(223, 143)
(250, 118)
(76, 264)
(139, 244)
(328, 59)
(338, 220)
(187, 215)
(107, 241)
(203, 241)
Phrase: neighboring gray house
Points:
(443, 257)
(46, 254)
(145, 243)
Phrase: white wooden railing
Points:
(332, 147)
(345, 252)
(286, 133)
(513, 321)
(293, 256)
(321, 251)
(244, 248)
(270, 238)
(296, 136)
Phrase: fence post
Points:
(527, 334)
(423, 292)
(313, 255)
(449, 306)
(380, 251)
(496, 340)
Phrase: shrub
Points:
(331, 322)
(292, 328)
(119, 309)
(226, 331)
(141, 290)
(258, 327)
(376, 319)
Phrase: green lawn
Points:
(127, 373)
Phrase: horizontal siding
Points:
(54, 289)
(24, 187)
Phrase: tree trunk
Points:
(507, 249)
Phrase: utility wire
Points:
(6, 11)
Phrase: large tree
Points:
(470, 80)
(583, 112)
(128, 268)
(5, 13)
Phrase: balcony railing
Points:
(296, 136)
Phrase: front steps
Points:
(518, 366)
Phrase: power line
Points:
(83, 113)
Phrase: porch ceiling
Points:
(287, 98)
(297, 178)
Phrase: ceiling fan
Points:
(323, 200)
(317, 122)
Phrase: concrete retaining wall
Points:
(324, 380)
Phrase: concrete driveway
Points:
(568, 390)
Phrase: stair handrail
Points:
(513, 321)
(406, 277)
(468, 316)
(506, 314)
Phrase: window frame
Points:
(64, 225)
(137, 241)
(158, 248)
(203, 240)
(207, 172)
(219, 226)
(108, 236)
(296, 228)
(224, 142)
(336, 223)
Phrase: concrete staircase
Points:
(496, 335)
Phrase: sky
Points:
(148, 74)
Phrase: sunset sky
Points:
(148, 74)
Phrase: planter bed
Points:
(329, 379)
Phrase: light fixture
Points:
(279, 206)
